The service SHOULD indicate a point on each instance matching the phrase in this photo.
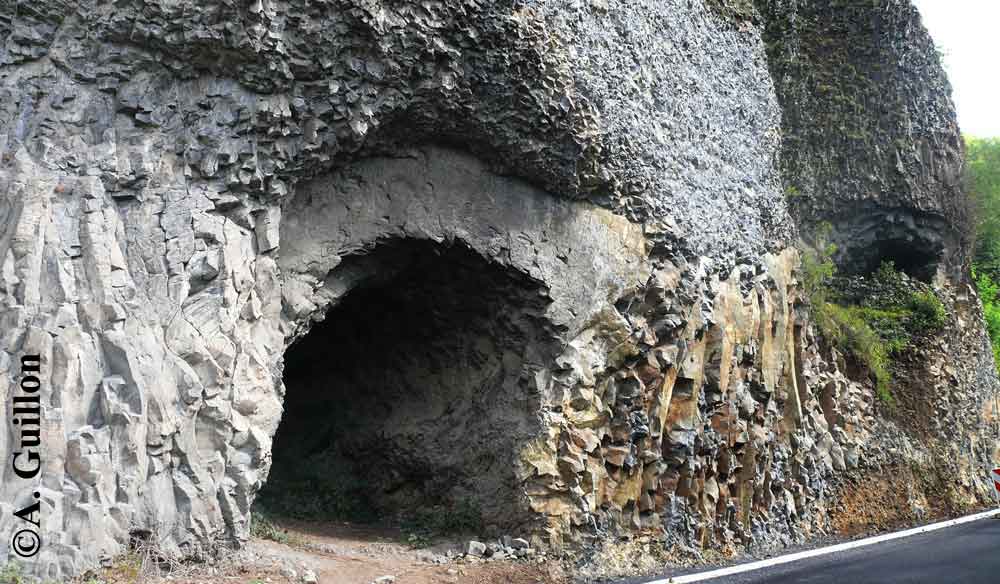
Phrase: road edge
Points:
(794, 557)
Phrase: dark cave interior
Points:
(413, 395)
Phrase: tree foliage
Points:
(983, 164)
(991, 309)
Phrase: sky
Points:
(966, 31)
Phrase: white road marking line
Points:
(750, 567)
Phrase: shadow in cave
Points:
(916, 243)
(410, 400)
(909, 257)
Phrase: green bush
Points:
(890, 325)
(816, 266)
(927, 312)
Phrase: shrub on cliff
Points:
(927, 313)
(874, 317)
(848, 328)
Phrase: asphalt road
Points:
(964, 554)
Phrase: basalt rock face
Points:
(871, 145)
(532, 258)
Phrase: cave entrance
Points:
(916, 243)
(410, 400)
(907, 256)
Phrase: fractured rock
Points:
(585, 312)
(475, 548)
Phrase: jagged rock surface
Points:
(187, 188)
(871, 145)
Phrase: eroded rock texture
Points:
(871, 143)
(531, 255)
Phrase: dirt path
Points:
(346, 554)
(330, 553)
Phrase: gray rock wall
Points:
(187, 188)
(871, 144)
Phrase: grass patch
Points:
(848, 328)
(263, 526)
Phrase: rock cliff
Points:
(534, 258)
